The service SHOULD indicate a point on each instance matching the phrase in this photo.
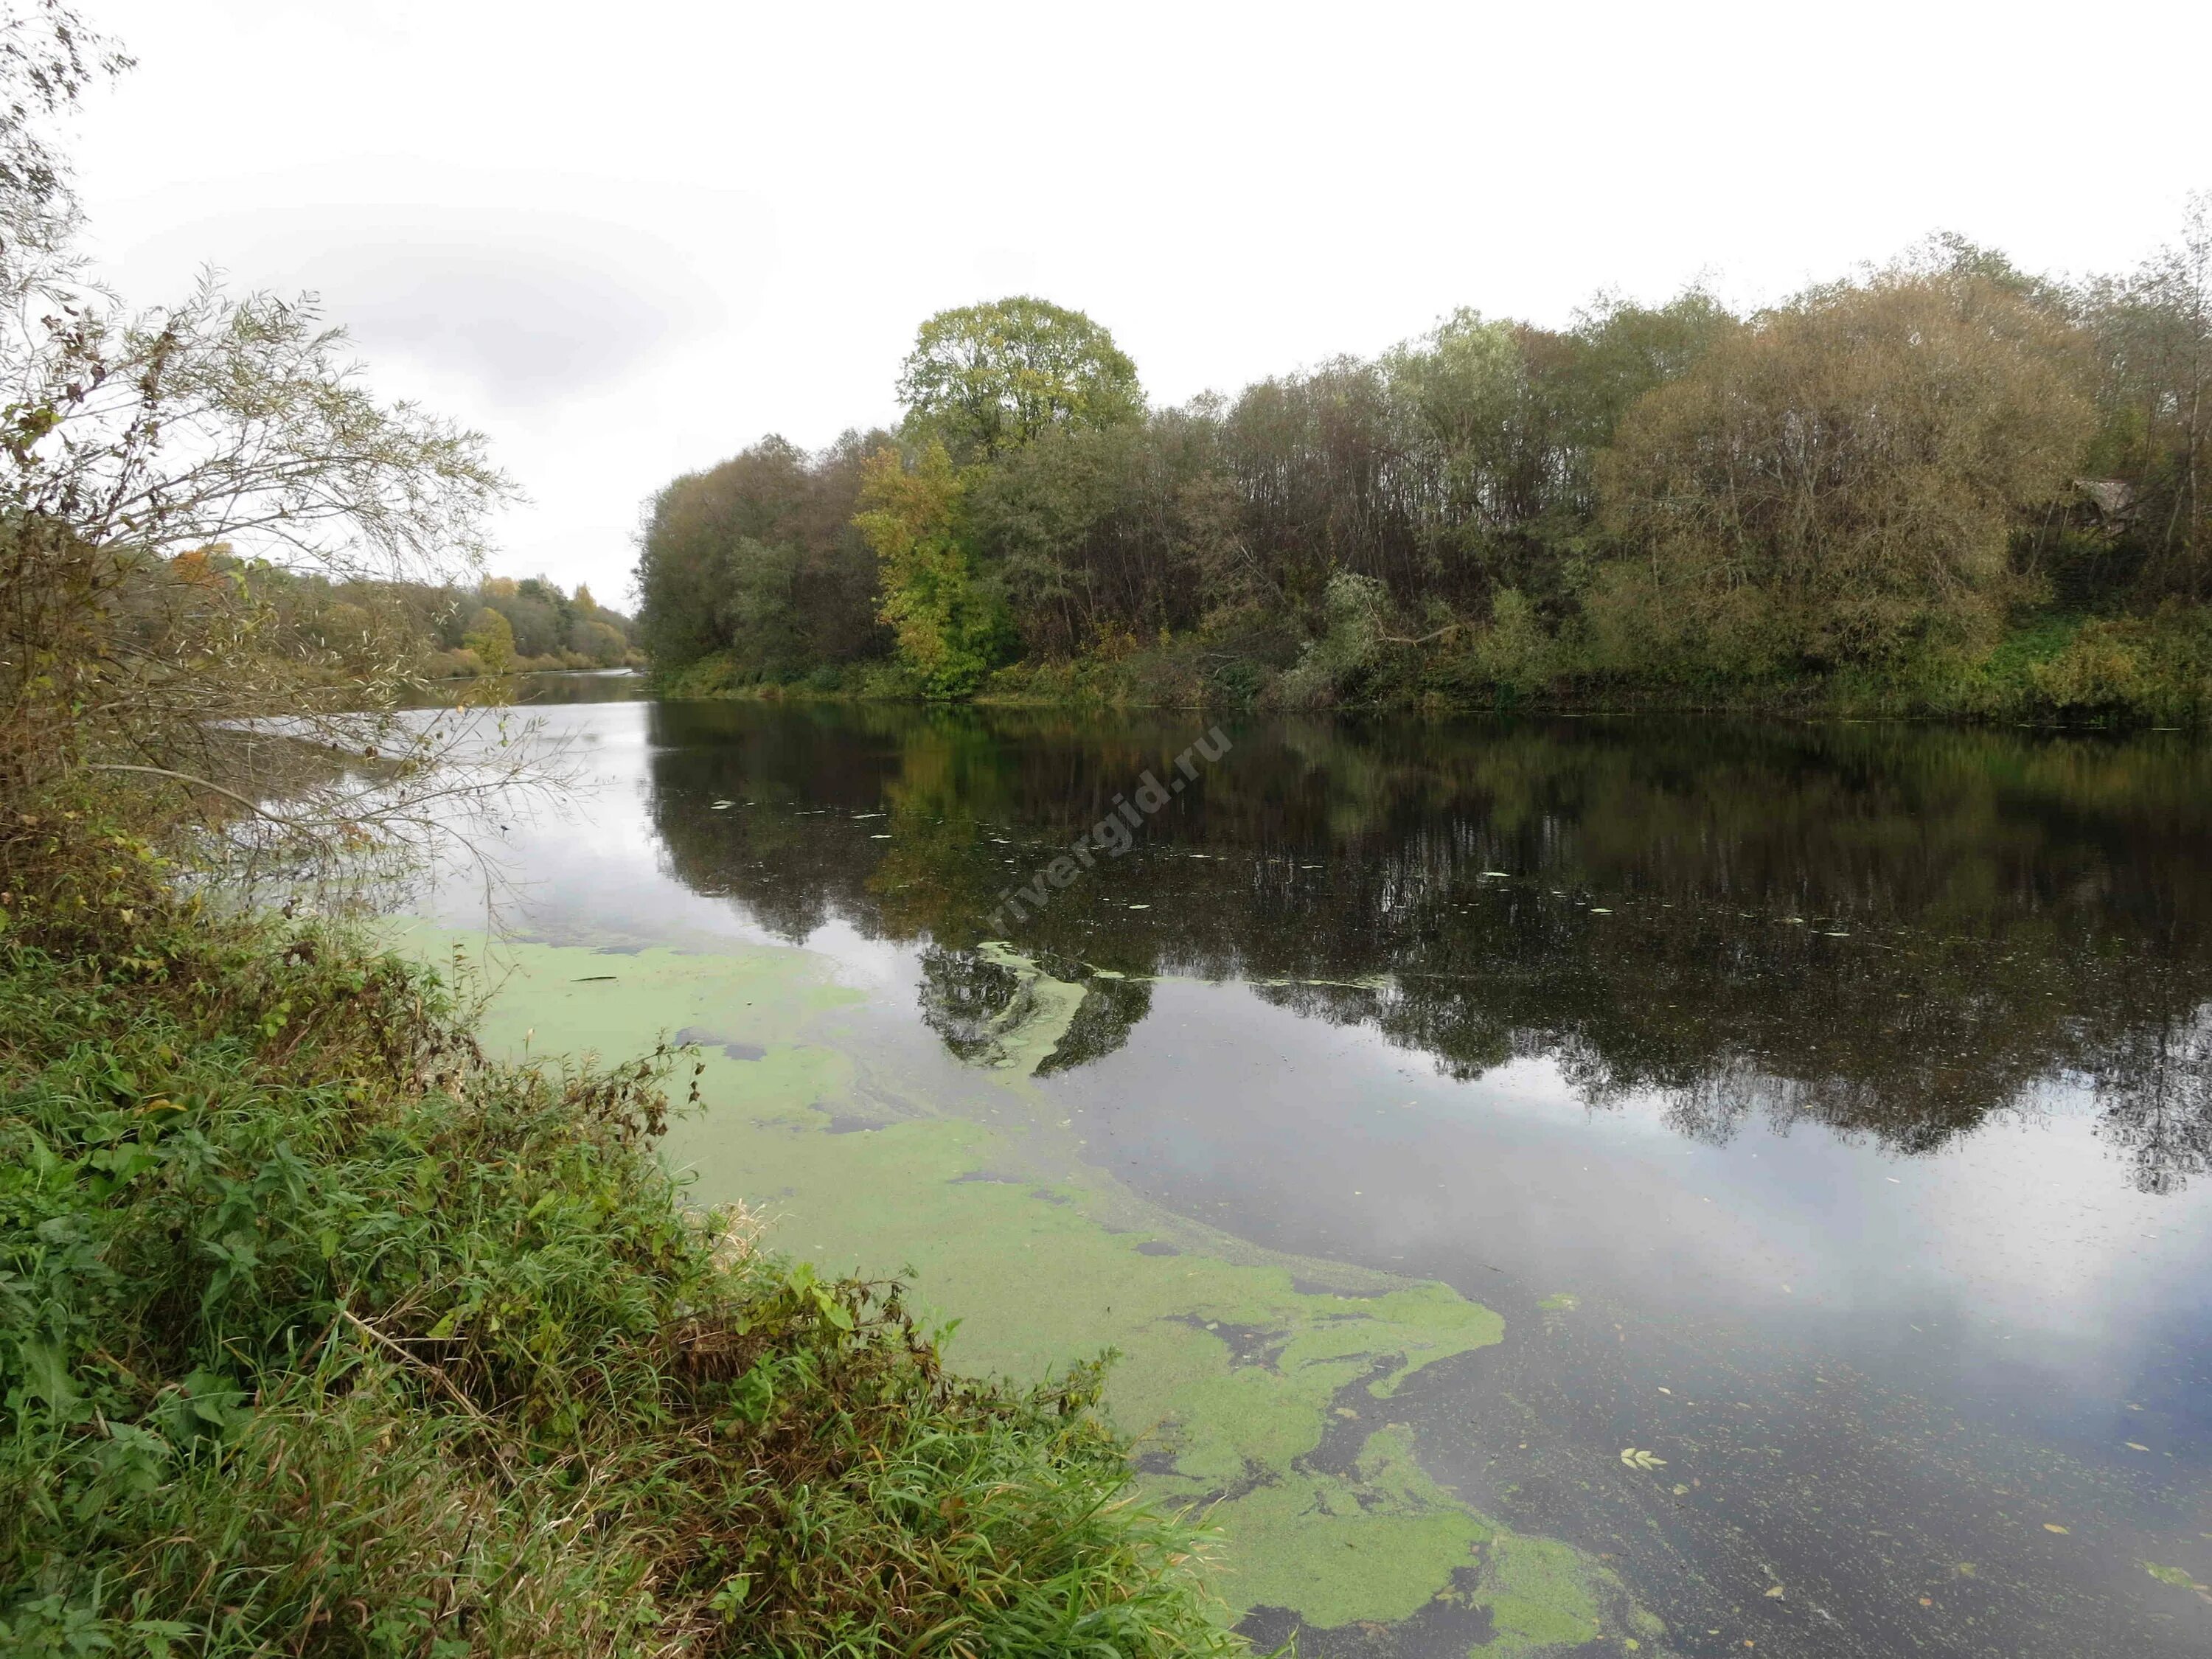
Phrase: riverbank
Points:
(323, 1331)
(2053, 669)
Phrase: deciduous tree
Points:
(950, 624)
(987, 378)
(1844, 477)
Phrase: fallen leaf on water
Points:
(2134, 1445)
(2174, 1575)
(1641, 1459)
(1925, 1602)
(2052, 1526)
(1774, 1594)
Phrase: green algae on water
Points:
(1252, 1390)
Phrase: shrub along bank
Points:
(2057, 668)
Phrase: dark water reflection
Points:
(1888, 931)
(1832, 1105)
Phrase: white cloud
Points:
(527, 309)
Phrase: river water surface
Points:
(1588, 1186)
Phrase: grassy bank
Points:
(320, 1332)
(2051, 668)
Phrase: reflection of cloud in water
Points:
(1336, 1142)
(862, 963)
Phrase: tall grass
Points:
(321, 1333)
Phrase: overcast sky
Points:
(628, 241)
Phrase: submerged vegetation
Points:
(320, 1332)
(1944, 486)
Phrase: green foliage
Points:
(2157, 667)
(757, 561)
(348, 636)
(492, 638)
(104, 654)
(1462, 385)
(985, 379)
(1332, 666)
(2151, 335)
(318, 1332)
(1845, 478)
(546, 627)
(950, 624)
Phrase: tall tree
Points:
(987, 378)
(758, 559)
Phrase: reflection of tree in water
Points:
(973, 1002)
(1111, 1009)
(1884, 931)
(967, 1001)
(2154, 1085)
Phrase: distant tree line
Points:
(538, 625)
(1942, 482)
(354, 625)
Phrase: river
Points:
(1596, 1185)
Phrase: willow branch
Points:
(197, 783)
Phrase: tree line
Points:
(1942, 482)
(449, 629)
